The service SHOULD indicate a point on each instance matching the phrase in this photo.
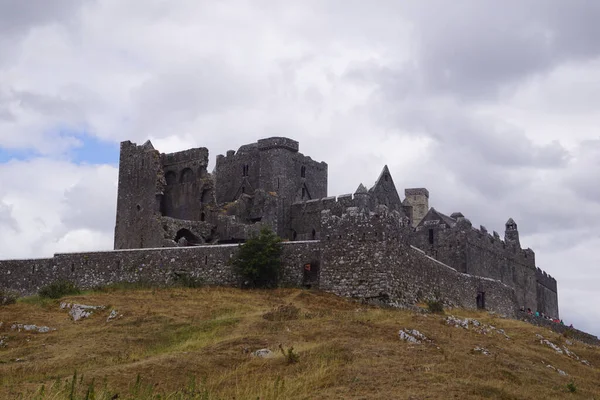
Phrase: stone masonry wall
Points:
(476, 252)
(559, 328)
(157, 266)
(141, 184)
(188, 185)
(369, 257)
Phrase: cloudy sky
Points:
(493, 106)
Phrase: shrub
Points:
(290, 355)
(8, 297)
(58, 289)
(571, 387)
(435, 306)
(258, 261)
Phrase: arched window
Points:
(202, 217)
(187, 175)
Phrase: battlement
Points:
(545, 280)
(492, 242)
(337, 204)
(278, 143)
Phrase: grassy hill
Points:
(198, 343)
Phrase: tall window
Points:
(245, 169)
(431, 236)
(303, 172)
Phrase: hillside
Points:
(199, 343)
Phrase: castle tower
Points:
(511, 235)
(418, 198)
(140, 191)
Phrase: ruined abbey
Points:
(176, 217)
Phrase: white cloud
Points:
(47, 202)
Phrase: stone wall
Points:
(477, 252)
(188, 185)
(368, 256)
(559, 328)
(156, 266)
(141, 185)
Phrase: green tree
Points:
(259, 260)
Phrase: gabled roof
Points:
(384, 172)
(384, 191)
(448, 220)
(361, 189)
(433, 215)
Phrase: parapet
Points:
(545, 280)
(416, 192)
(196, 154)
(278, 143)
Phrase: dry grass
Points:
(196, 343)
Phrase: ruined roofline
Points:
(416, 192)
(270, 143)
(278, 142)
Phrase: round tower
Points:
(511, 235)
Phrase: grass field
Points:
(183, 343)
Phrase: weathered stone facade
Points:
(174, 217)
(454, 241)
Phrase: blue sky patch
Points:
(7, 155)
(90, 150)
(95, 151)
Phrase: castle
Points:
(174, 217)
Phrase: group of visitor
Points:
(546, 317)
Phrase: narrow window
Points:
(314, 235)
(202, 217)
(431, 236)
(303, 172)
(303, 192)
(206, 260)
(243, 189)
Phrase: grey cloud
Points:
(17, 16)
(204, 88)
(91, 203)
(474, 47)
(584, 173)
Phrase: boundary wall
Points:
(157, 266)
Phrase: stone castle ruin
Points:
(174, 217)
